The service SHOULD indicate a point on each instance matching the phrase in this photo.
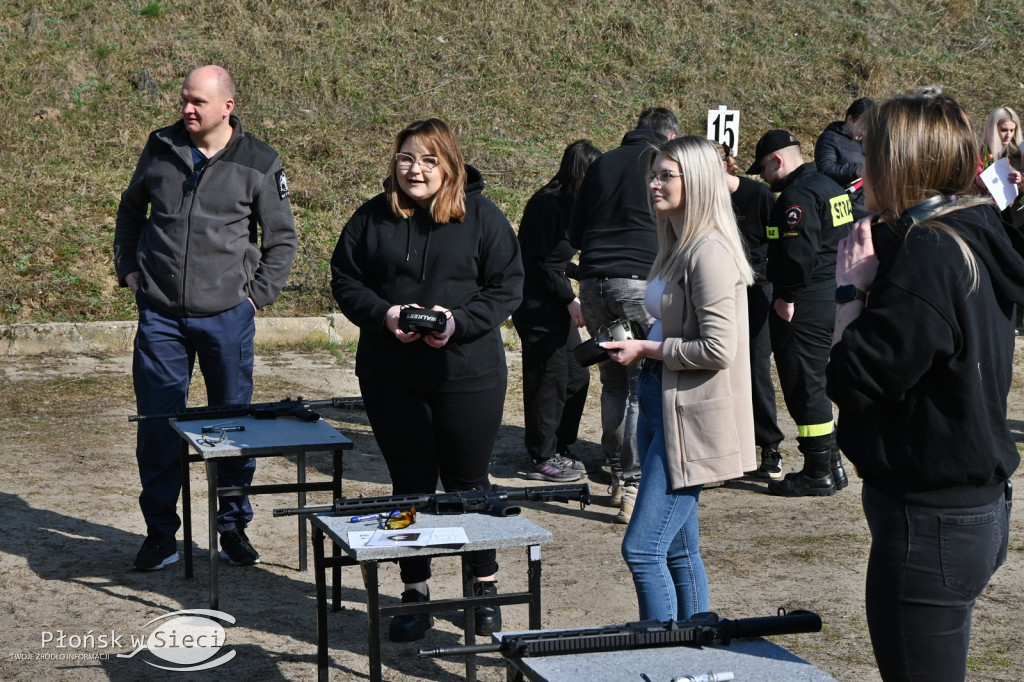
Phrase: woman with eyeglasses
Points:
(696, 424)
(921, 368)
(434, 398)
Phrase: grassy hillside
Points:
(329, 82)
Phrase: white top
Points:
(652, 301)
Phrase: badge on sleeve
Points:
(794, 214)
(282, 185)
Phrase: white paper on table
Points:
(359, 538)
(449, 536)
(996, 183)
(402, 537)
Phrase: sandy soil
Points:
(70, 528)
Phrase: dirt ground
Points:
(70, 528)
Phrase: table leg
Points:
(211, 484)
(469, 627)
(320, 574)
(370, 582)
(300, 463)
(533, 555)
(336, 550)
(186, 507)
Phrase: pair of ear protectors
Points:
(884, 234)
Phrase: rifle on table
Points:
(701, 629)
(298, 408)
(495, 502)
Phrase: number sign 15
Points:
(724, 127)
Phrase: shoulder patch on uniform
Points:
(842, 210)
(794, 214)
(282, 185)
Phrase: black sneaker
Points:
(413, 626)
(487, 618)
(771, 463)
(236, 548)
(158, 550)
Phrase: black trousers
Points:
(926, 569)
(766, 422)
(424, 435)
(801, 350)
(554, 391)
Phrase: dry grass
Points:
(328, 83)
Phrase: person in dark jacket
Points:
(811, 215)
(837, 153)
(752, 202)
(434, 399)
(613, 229)
(204, 238)
(920, 371)
(554, 384)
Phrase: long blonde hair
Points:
(990, 138)
(707, 209)
(916, 148)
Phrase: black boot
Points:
(413, 626)
(487, 618)
(816, 477)
(838, 472)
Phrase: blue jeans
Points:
(926, 568)
(603, 301)
(662, 542)
(166, 349)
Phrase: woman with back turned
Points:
(548, 321)
(434, 399)
(920, 371)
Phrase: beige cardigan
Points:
(706, 395)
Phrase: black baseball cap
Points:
(771, 142)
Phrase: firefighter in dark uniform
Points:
(811, 215)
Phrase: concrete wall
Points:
(89, 337)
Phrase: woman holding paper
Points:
(1002, 138)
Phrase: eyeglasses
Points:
(405, 162)
(662, 177)
(400, 520)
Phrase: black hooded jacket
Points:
(471, 267)
(921, 377)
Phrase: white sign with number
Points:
(724, 127)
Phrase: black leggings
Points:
(426, 434)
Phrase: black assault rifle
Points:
(701, 629)
(495, 502)
(298, 408)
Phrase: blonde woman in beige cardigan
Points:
(696, 425)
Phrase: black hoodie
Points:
(922, 375)
(471, 267)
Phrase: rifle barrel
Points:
(462, 650)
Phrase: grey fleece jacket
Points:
(210, 240)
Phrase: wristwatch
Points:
(849, 292)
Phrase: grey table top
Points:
(746, 659)
(261, 437)
(484, 532)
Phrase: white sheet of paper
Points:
(403, 537)
(449, 536)
(359, 538)
(995, 181)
